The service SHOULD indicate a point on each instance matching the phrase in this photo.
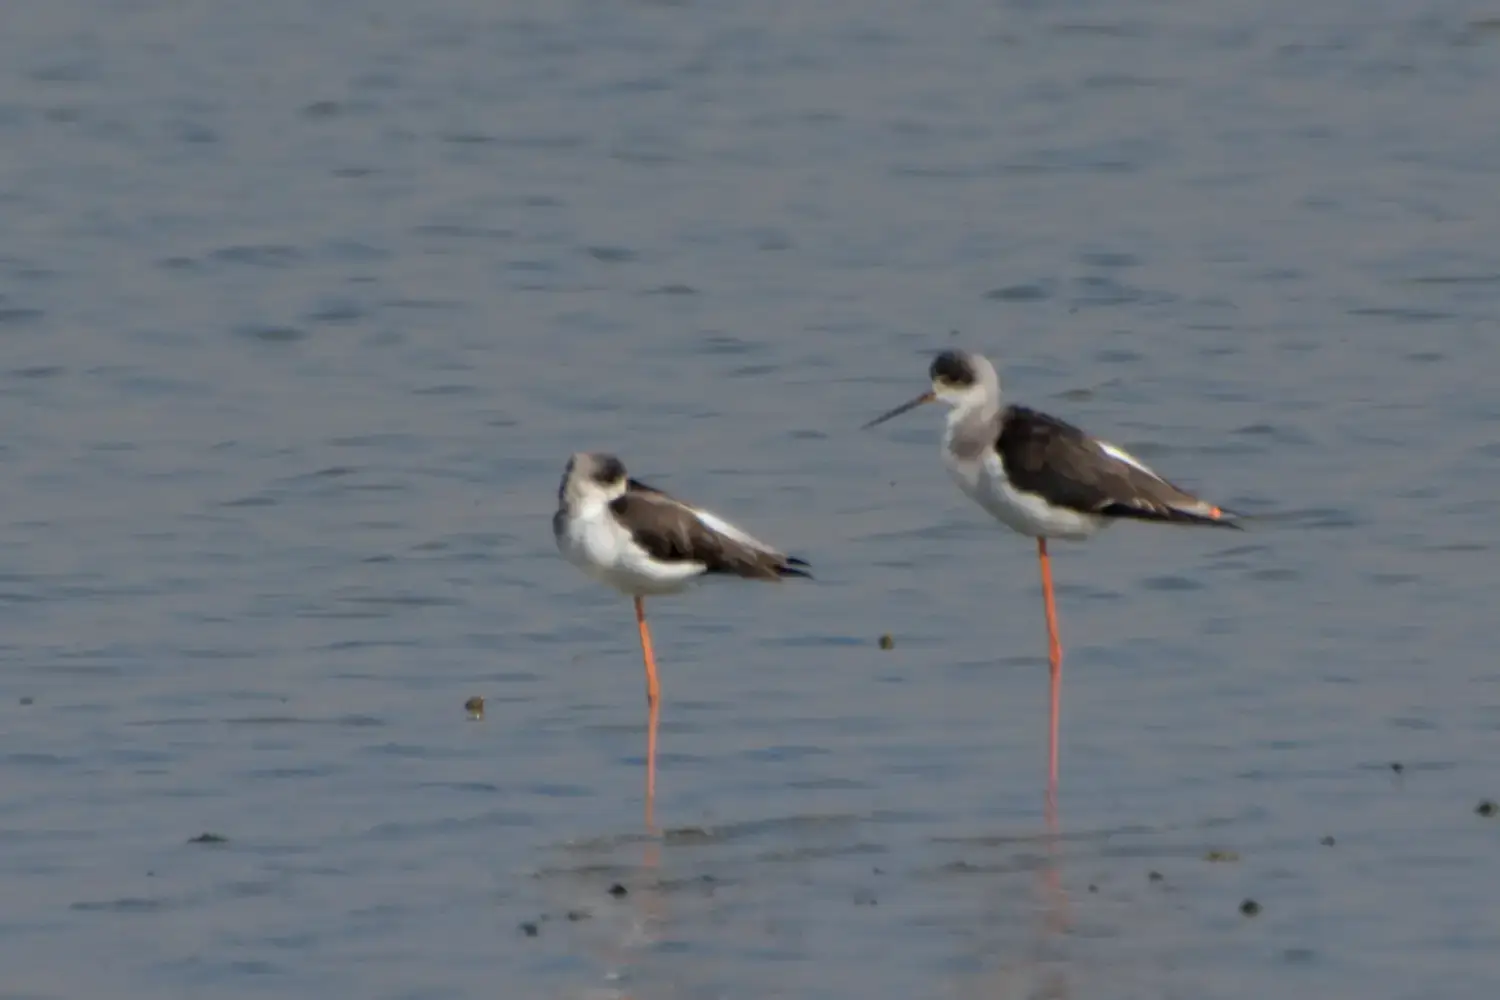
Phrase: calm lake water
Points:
(303, 307)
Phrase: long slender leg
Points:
(1054, 659)
(653, 690)
(653, 709)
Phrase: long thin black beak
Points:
(926, 397)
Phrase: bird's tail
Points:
(1201, 513)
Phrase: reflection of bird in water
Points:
(1040, 971)
(646, 907)
(641, 541)
(1044, 478)
(603, 904)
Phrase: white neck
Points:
(970, 428)
(977, 405)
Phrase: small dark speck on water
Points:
(475, 707)
(1155, 876)
(1486, 808)
(618, 891)
(1249, 907)
(1328, 841)
(529, 928)
(209, 838)
(1397, 766)
(1093, 887)
(28, 701)
(887, 641)
(576, 915)
(1221, 856)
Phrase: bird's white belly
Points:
(984, 482)
(605, 552)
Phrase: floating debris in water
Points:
(887, 641)
(1487, 808)
(1249, 907)
(1328, 841)
(576, 915)
(1093, 887)
(1155, 877)
(1397, 766)
(209, 838)
(475, 707)
(1221, 856)
(618, 891)
(529, 928)
(28, 701)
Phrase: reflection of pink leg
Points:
(1052, 891)
(651, 722)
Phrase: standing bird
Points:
(1044, 478)
(641, 541)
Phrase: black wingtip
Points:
(794, 567)
(1220, 518)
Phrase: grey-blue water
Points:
(303, 307)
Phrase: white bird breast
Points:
(984, 481)
(596, 543)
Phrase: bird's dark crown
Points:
(608, 470)
(953, 368)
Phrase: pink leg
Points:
(653, 708)
(1054, 659)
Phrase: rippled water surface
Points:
(303, 306)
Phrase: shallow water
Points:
(302, 308)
